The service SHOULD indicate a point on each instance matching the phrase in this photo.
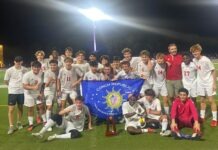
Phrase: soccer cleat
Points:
(52, 137)
(49, 129)
(39, 135)
(30, 128)
(11, 130)
(150, 130)
(213, 123)
(165, 133)
(38, 120)
(19, 126)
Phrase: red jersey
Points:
(174, 71)
(183, 110)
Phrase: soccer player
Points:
(127, 54)
(81, 63)
(174, 71)
(184, 114)
(93, 74)
(73, 123)
(133, 114)
(32, 84)
(116, 64)
(189, 76)
(50, 81)
(108, 73)
(13, 78)
(40, 55)
(69, 77)
(67, 53)
(206, 82)
(153, 111)
(159, 80)
(104, 59)
(55, 55)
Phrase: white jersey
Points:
(133, 120)
(84, 67)
(68, 77)
(204, 71)
(154, 105)
(189, 73)
(77, 117)
(123, 75)
(14, 77)
(159, 75)
(52, 86)
(93, 76)
(133, 62)
(32, 79)
(44, 64)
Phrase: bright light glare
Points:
(94, 14)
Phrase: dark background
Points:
(29, 25)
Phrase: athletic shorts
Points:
(183, 122)
(14, 99)
(173, 87)
(65, 96)
(49, 98)
(162, 91)
(205, 90)
(31, 101)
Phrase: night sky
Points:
(28, 25)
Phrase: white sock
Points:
(167, 109)
(30, 119)
(202, 113)
(64, 136)
(214, 115)
(48, 114)
(164, 124)
(43, 117)
(144, 130)
(49, 124)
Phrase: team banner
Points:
(105, 98)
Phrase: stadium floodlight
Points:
(94, 14)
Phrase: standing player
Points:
(13, 78)
(81, 63)
(159, 79)
(67, 53)
(93, 74)
(32, 84)
(206, 82)
(69, 77)
(189, 73)
(127, 54)
(40, 55)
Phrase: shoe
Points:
(213, 123)
(176, 135)
(150, 130)
(52, 137)
(11, 130)
(49, 129)
(39, 135)
(19, 126)
(165, 133)
(38, 120)
(30, 128)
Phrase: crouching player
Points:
(133, 114)
(153, 110)
(73, 123)
(184, 114)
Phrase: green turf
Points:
(1, 76)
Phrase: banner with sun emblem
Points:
(105, 98)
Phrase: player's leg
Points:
(73, 96)
(170, 90)
(164, 126)
(177, 85)
(63, 100)
(41, 108)
(214, 111)
(30, 114)
(49, 102)
(164, 94)
(203, 107)
(11, 106)
(20, 102)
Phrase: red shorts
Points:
(185, 122)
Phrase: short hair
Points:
(183, 90)
(18, 59)
(150, 92)
(187, 54)
(160, 55)
(171, 44)
(69, 49)
(40, 52)
(80, 52)
(195, 47)
(80, 98)
(93, 64)
(132, 98)
(68, 59)
(93, 54)
(116, 58)
(125, 50)
(53, 61)
(145, 52)
(36, 64)
(125, 63)
(105, 57)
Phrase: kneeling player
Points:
(73, 123)
(184, 114)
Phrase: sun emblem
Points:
(114, 99)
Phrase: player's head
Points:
(145, 56)
(107, 69)
(92, 57)
(172, 48)
(187, 58)
(196, 50)
(40, 54)
(104, 59)
(132, 99)
(127, 54)
(160, 58)
(68, 52)
(79, 102)
(54, 54)
(18, 60)
(68, 62)
(126, 66)
(116, 60)
(94, 66)
(183, 94)
(53, 65)
(36, 67)
(149, 94)
(80, 55)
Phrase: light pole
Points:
(94, 15)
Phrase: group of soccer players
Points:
(175, 77)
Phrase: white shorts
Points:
(192, 89)
(67, 125)
(205, 90)
(162, 91)
(65, 95)
(49, 98)
(31, 101)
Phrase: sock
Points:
(202, 113)
(30, 119)
(164, 124)
(167, 109)
(144, 130)
(64, 136)
(49, 124)
(48, 114)
(214, 115)
(43, 117)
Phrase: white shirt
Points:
(14, 77)
(204, 71)
(123, 75)
(189, 73)
(93, 76)
(159, 75)
(84, 67)
(44, 64)
(52, 86)
(133, 62)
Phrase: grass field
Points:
(95, 139)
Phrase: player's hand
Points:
(174, 126)
(168, 63)
(148, 111)
(36, 86)
(197, 126)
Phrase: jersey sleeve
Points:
(25, 79)
(7, 75)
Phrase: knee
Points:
(75, 134)
(57, 118)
